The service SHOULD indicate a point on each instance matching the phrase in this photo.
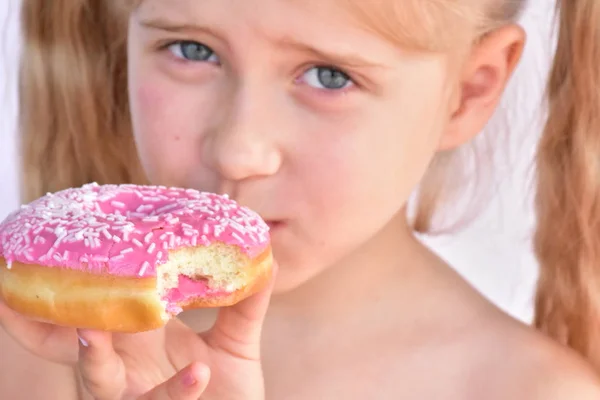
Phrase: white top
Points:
(493, 253)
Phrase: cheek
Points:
(163, 129)
(156, 112)
(341, 181)
(360, 173)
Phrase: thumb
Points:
(238, 328)
(187, 384)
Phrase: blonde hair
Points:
(567, 238)
(74, 117)
(76, 128)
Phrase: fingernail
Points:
(189, 379)
(83, 342)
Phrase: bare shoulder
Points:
(568, 386)
(528, 365)
(25, 376)
(562, 375)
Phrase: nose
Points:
(242, 145)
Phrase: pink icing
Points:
(188, 288)
(125, 230)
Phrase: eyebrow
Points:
(343, 59)
(336, 59)
(163, 24)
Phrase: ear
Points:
(482, 82)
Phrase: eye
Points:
(193, 51)
(327, 78)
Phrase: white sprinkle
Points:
(237, 226)
(106, 234)
(56, 256)
(159, 255)
(118, 257)
(116, 239)
(148, 237)
(127, 250)
(9, 265)
(166, 208)
(145, 208)
(235, 235)
(137, 242)
(145, 266)
(151, 248)
(117, 204)
(87, 242)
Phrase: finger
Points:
(51, 342)
(102, 370)
(238, 328)
(187, 384)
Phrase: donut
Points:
(128, 258)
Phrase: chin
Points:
(291, 275)
(299, 263)
(288, 281)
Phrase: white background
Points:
(493, 252)
(9, 45)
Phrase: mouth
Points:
(274, 225)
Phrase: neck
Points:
(387, 268)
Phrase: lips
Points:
(273, 225)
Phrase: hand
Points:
(170, 363)
(188, 384)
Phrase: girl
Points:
(323, 116)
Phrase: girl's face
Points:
(292, 108)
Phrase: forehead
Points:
(419, 24)
(412, 24)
